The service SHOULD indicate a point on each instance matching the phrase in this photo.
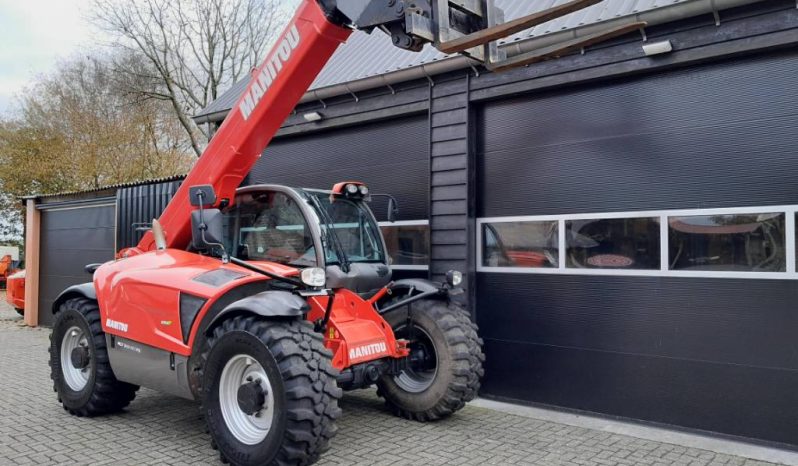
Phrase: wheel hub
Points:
(246, 399)
(80, 357)
(423, 361)
(251, 397)
(75, 358)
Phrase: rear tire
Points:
(20, 311)
(93, 389)
(293, 419)
(447, 339)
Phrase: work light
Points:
(314, 276)
(454, 277)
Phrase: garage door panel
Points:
(71, 239)
(743, 401)
(391, 157)
(735, 91)
(87, 239)
(77, 218)
(410, 193)
(741, 164)
(719, 320)
(72, 262)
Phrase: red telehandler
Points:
(264, 303)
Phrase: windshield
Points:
(355, 236)
(268, 226)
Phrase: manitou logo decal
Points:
(261, 83)
(122, 327)
(365, 351)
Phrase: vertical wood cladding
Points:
(449, 187)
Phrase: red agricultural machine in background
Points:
(15, 291)
(13, 281)
(5, 269)
(263, 303)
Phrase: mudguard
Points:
(413, 288)
(265, 304)
(84, 290)
(418, 284)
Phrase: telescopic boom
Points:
(470, 27)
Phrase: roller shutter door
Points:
(71, 238)
(705, 353)
(391, 157)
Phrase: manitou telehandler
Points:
(263, 303)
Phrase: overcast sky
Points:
(33, 35)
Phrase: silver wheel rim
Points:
(413, 381)
(248, 429)
(76, 379)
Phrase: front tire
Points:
(79, 365)
(445, 368)
(21, 312)
(269, 392)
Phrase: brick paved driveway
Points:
(161, 429)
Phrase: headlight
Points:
(454, 278)
(364, 190)
(351, 189)
(315, 277)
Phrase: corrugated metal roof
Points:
(365, 55)
(111, 186)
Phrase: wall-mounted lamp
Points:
(656, 48)
(312, 116)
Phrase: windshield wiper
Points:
(332, 237)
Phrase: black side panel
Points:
(70, 239)
(189, 308)
(138, 206)
(717, 135)
(711, 354)
(391, 157)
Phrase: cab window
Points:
(269, 226)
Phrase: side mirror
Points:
(202, 195)
(393, 210)
(207, 229)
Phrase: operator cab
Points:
(304, 228)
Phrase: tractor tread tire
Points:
(311, 388)
(465, 349)
(475, 344)
(108, 395)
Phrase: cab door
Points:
(270, 225)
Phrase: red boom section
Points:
(275, 89)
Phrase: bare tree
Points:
(77, 128)
(196, 48)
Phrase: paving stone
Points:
(162, 429)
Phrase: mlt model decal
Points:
(261, 83)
